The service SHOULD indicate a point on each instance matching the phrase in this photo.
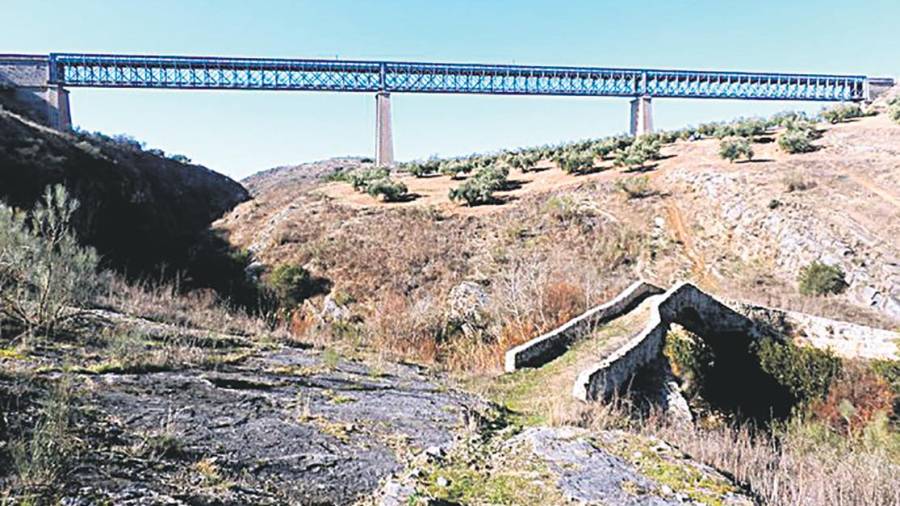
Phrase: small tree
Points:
(796, 141)
(480, 188)
(733, 148)
(842, 112)
(292, 284)
(46, 277)
(821, 279)
(577, 162)
(388, 189)
(361, 178)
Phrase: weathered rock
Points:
(284, 427)
(467, 301)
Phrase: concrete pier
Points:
(25, 78)
(641, 116)
(384, 136)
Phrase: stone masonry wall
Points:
(545, 348)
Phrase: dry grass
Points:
(199, 309)
(802, 463)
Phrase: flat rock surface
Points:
(288, 426)
(587, 474)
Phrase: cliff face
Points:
(141, 211)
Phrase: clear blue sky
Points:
(241, 132)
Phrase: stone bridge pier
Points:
(26, 80)
(641, 116)
(384, 135)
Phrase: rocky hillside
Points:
(140, 210)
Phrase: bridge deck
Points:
(183, 72)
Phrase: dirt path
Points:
(680, 231)
(873, 187)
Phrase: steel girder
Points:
(119, 71)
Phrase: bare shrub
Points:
(855, 399)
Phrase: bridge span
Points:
(52, 74)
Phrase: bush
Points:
(635, 187)
(842, 112)
(523, 161)
(457, 168)
(480, 188)
(796, 141)
(894, 109)
(638, 153)
(45, 275)
(856, 397)
(577, 162)
(423, 169)
(805, 372)
(735, 147)
(361, 178)
(292, 284)
(388, 189)
(821, 279)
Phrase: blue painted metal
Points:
(180, 72)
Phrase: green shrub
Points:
(638, 153)
(361, 178)
(749, 128)
(805, 371)
(457, 168)
(577, 162)
(821, 279)
(691, 359)
(388, 189)
(842, 112)
(480, 188)
(796, 141)
(423, 169)
(523, 161)
(635, 187)
(46, 277)
(735, 147)
(894, 109)
(292, 284)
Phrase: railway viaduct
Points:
(38, 82)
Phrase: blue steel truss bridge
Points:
(385, 77)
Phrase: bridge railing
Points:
(411, 77)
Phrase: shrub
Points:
(821, 279)
(480, 188)
(523, 161)
(292, 284)
(842, 112)
(749, 128)
(806, 372)
(456, 168)
(577, 162)
(735, 147)
(894, 109)
(45, 275)
(361, 178)
(796, 182)
(388, 189)
(635, 187)
(422, 169)
(691, 359)
(638, 153)
(855, 398)
(796, 141)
